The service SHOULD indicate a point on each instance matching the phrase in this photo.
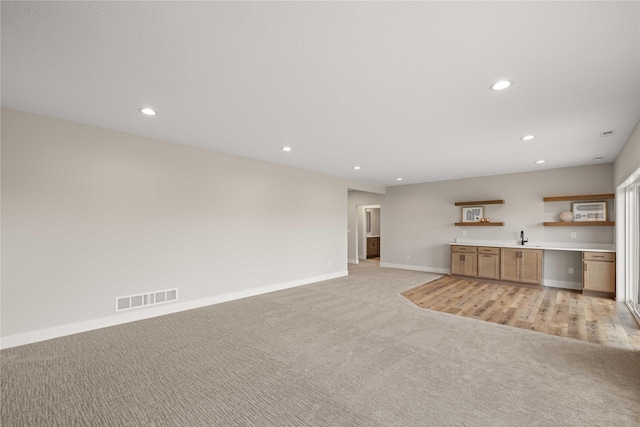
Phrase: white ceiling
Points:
(400, 89)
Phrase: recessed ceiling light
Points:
(541, 161)
(398, 179)
(527, 137)
(500, 85)
(356, 167)
(148, 111)
(286, 148)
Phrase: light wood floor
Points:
(549, 310)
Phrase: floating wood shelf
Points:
(479, 224)
(583, 197)
(481, 202)
(580, 224)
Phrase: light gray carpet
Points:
(346, 352)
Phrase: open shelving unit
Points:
(584, 197)
(480, 224)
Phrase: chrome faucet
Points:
(522, 239)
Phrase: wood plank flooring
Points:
(552, 311)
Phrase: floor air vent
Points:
(143, 300)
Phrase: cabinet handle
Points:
(598, 256)
(585, 267)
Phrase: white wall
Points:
(418, 220)
(628, 161)
(90, 214)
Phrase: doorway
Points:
(368, 240)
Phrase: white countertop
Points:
(550, 246)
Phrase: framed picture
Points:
(589, 211)
(472, 213)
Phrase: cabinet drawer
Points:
(486, 250)
(466, 249)
(599, 256)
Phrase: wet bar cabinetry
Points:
(475, 261)
(521, 265)
(599, 272)
(464, 260)
(510, 264)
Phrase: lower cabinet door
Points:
(463, 264)
(456, 263)
(599, 276)
(521, 265)
(489, 266)
(509, 264)
(531, 266)
(470, 264)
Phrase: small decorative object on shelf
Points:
(590, 211)
(472, 214)
(566, 216)
(487, 220)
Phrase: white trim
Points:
(621, 249)
(353, 261)
(132, 316)
(622, 267)
(563, 284)
(416, 268)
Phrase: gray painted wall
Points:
(90, 214)
(628, 161)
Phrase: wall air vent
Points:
(606, 133)
(143, 300)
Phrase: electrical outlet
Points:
(408, 256)
(464, 232)
(574, 234)
(329, 263)
(570, 270)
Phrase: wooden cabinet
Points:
(489, 262)
(599, 271)
(521, 265)
(464, 260)
(373, 247)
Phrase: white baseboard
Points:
(563, 284)
(132, 316)
(415, 268)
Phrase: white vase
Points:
(566, 216)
